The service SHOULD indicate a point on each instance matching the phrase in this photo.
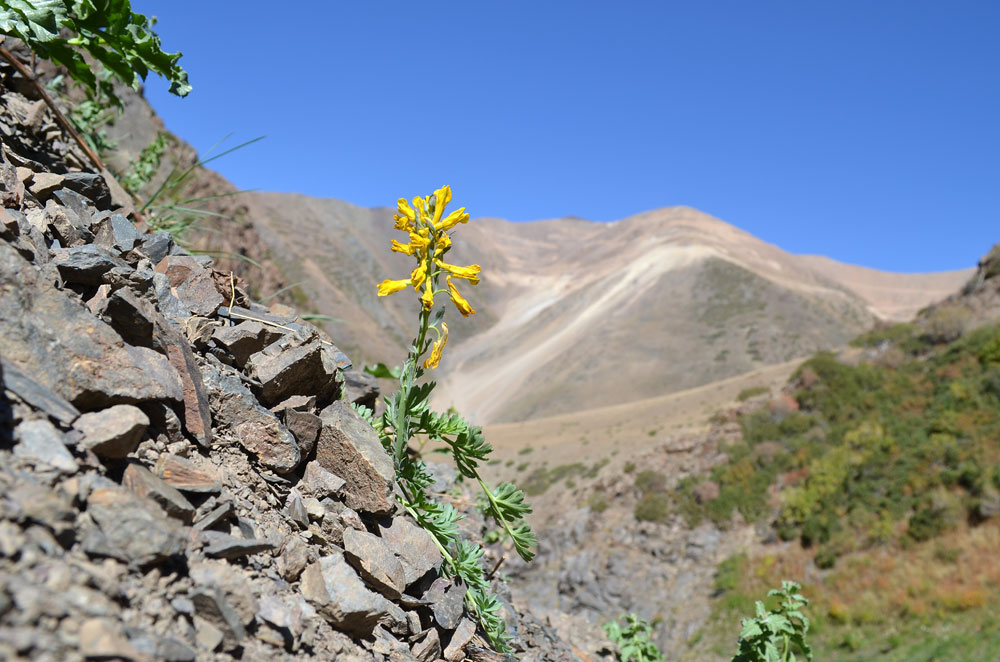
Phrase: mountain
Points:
(652, 304)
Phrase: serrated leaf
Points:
(382, 371)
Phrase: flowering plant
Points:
(408, 414)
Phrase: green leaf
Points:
(383, 371)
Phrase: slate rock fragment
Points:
(192, 283)
(138, 480)
(460, 638)
(244, 339)
(320, 483)
(375, 562)
(64, 348)
(116, 234)
(414, 547)
(40, 441)
(86, 265)
(362, 388)
(447, 602)
(339, 595)
(255, 428)
(90, 185)
(35, 394)
(131, 529)
(112, 432)
(348, 447)
(305, 426)
(186, 475)
(224, 546)
(304, 370)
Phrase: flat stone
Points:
(348, 447)
(214, 516)
(460, 638)
(319, 482)
(255, 428)
(132, 529)
(77, 203)
(44, 183)
(192, 283)
(36, 395)
(64, 348)
(185, 475)
(116, 234)
(30, 502)
(244, 339)
(224, 546)
(87, 264)
(447, 602)
(413, 546)
(299, 403)
(211, 605)
(167, 302)
(303, 370)
(42, 442)
(90, 185)
(155, 246)
(375, 562)
(305, 426)
(103, 638)
(112, 432)
(197, 410)
(138, 480)
(427, 648)
(293, 559)
(339, 595)
(296, 510)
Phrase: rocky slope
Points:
(182, 476)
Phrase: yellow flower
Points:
(406, 249)
(453, 219)
(443, 243)
(442, 197)
(387, 287)
(460, 303)
(421, 204)
(418, 275)
(469, 272)
(427, 298)
(406, 218)
(435, 357)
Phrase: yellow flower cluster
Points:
(428, 228)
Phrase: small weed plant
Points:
(631, 635)
(779, 634)
(408, 413)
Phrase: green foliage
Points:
(752, 392)
(142, 170)
(382, 371)
(776, 635)
(119, 39)
(729, 572)
(632, 638)
(653, 507)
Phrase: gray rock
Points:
(167, 302)
(77, 203)
(42, 442)
(196, 409)
(112, 432)
(90, 185)
(116, 234)
(305, 426)
(244, 339)
(296, 510)
(138, 480)
(375, 562)
(87, 264)
(192, 283)
(59, 343)
(293, 559)
(212, 605)
(44, 183)
(348, 447)
(224, 546)
(156, 246)
(35, 394)
(103, 638)
(30, 502)
(460, 638)
(339, 595)
(132, 529)
(320, 483)
(413, 546)
(447, 602)
(255, 428)
(428, 647)
(133, 318)
(362, 388)
(67, 226)
(303, 370)
(214, 516)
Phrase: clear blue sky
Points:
(866, 131)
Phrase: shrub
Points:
(751, 392)
(653, 507)
(650, 481)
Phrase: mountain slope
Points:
(655, 303)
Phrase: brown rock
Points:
(131, 528)
(104, 639)
(192, 283)
(186, 475)
(303, 370)
(57, 341)
(362, 388)
(244, 339)
(375, 562)
(339, 595)
(197, 412)
(348, 447)
(706, 491)
(428, 647)
(305, 426)
(459, 640)
(44, 183)
(138, 480)
(293, 559)
(413, 546)
(319, 482)
(112, 432)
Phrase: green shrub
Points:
(729, 573)
(650, 481)
(653, 507)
